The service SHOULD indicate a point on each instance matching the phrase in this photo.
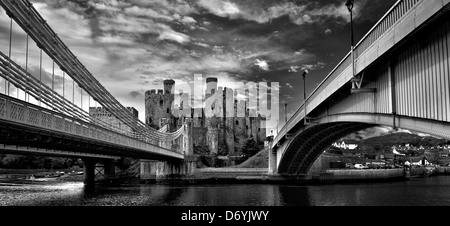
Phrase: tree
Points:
(250, 148)
(58, 163)
(11, 161)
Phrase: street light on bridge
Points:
(350, 5)
(356, 81)
(304, 84)
(305, 72)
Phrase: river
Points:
(432, 191)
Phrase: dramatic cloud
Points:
(146, 12)
(262, 64)
(135, 94)
(131, 46)
(220, 8)
(166, 33)
(303, 13)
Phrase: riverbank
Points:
(40, 175)
(261, 176)
(441, 171)
(231, 176)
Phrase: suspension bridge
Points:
(37, 118)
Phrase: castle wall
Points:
(229, 121)
(262, 133)
(198, 118)
(249, 128)
(199, 136)
(223, 146)
(239, 124)
(255, 127)
(212, 137)
(230, 136)
(215, 125)
(154, 108)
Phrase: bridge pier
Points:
(98, 170)
(272, 162)
(89, 171)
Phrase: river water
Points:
(432, 191)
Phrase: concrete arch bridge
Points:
(401, 79)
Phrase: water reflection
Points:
(429, 191)
(294, 195)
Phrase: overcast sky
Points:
(131, 46)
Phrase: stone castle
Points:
(223, 136)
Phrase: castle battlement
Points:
(150, 92)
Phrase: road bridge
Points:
(401, 79)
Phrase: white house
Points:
(422, 162)
(343, 145)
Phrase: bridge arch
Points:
(311, 141)
(308, 145)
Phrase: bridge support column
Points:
(89, 171)
(272, 162)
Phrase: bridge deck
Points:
(20, 115)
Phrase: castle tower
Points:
(158, 105)
(211, 86)
(169, 87)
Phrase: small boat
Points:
(75, 173)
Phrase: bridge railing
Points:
(394, 15)
(24, 113)
(341, 74)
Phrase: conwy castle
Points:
(220, 136)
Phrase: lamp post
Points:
(304, 92)
(350, 5)
(356, 81)
(285, 113)
(304, 84)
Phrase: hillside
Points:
(402, 139)
(260, 160)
